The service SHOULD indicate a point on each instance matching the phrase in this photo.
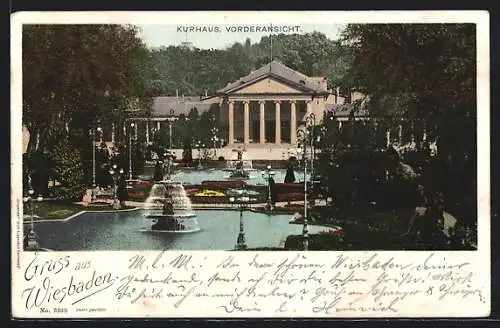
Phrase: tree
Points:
(273, 190)
(430, 66)
(290, 174)
(102, 161)
(158, 171)
(138, 152)
(77, 75)
(196, 71)
(68, 171)
(427, 72)
(122, 190)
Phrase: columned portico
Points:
(263, 108)
(246, 124)
(231, 122)
(277, 122)
(309, 109)
(293, 122)
(262, 122)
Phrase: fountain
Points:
(170, 208)
(239, 168)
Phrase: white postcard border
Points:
(479, 259)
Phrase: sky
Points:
(224, 35)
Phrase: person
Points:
(122, 190)
(429, 227)
(158, 172)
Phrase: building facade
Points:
(263, 109)
(268, 105)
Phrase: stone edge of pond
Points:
(82, 212)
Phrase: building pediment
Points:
(275, 78)
(269, 85)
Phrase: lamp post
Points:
(170, 119)
(302, 134)
(130, 151)
(310, 122)
(199, 146)
(31, 241)
(267, 174)
(115, 174)
(93, 195)
(242, 202)
(214, 140)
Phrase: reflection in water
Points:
(255, 177)
(131, 231)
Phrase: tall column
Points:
(262, 124)
(293, 123)
(135, 130)
(147, 132)
(231, 122)
(125, 128)
(278, 123)
(308, 106)
(424, 135)
(340, 125)
(412, 132)
(113, 133)
(400, 134)
(388, 137)
(246, 125)
(158, 126)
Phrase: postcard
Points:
(250, 164)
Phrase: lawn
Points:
(57, 210)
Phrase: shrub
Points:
(68, 171)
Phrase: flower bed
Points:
(339, 233)
(290, 186)
(142, 184)
(137, 194)
(209, 199)
(192, 191)
(223, 184)
(210, 193)
(290, 196)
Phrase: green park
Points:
(293, 142)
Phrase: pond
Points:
(196, 176)
(131, 231)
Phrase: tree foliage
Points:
(196, 71)
(68, 171)
(78, 73)
(427, 69)
(73, 77)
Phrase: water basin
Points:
(132, 231)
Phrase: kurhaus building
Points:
(263, 108)
(260, 110)
(267, 105)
